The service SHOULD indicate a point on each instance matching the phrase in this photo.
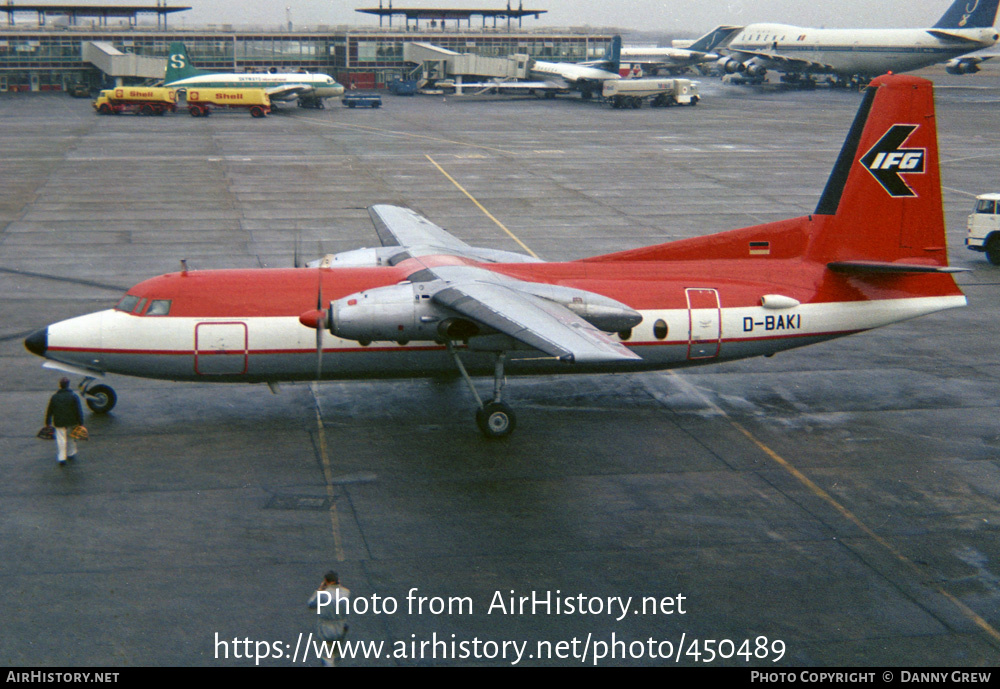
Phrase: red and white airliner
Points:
(425, 303)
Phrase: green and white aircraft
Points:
(308, 88)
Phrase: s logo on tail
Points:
(887, 161)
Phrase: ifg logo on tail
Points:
(887, 160)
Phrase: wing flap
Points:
(543, 325)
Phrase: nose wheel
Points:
(495, 419)
(100, 398)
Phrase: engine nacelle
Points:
(755, 70)
(730, 66)
(398, 313)
(961, 67)
(358, 258)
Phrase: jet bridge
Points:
(119, 65)
(438, 64)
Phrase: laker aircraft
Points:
(308, 89)
(427, 304)
(678, 60)
(551, 78)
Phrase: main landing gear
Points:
(495, 418)
(100, 398)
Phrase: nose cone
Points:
(37, 342)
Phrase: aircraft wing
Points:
(404, 228)
(549, 85)
(534, 314)
(785, 62)
(398, 226)
(539, 323)
(289, 91)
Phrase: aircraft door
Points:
(220, 349)
(704, 323)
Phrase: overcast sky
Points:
(655, 15)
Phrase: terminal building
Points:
(52, 47)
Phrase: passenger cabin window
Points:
(986, 206)
(159, 307)
(127, 303)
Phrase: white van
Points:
(984, 227)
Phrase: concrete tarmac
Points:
(831, 506)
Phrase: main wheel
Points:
(101, 399)
(993, 250)
(496, 420)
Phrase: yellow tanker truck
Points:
(201, 101)
(141, 100)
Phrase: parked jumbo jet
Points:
(309, 89)
(860, 54)
(427, 304)
(679, 60)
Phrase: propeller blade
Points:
(320, 325)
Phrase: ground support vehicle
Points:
(631, 93)
(201, 101)
(140, 100)
(984, 227)
(362, 100)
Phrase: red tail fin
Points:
(882, 202)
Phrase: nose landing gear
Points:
(100, 398)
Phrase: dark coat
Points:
(64, 410)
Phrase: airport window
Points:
(127, 303)
(159, 307)
(660, 329)
(985, 206)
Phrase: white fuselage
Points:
(259, 349)
(570, 73)
(675, 57)
(324, 86)
(850, 52)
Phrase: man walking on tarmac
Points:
(331, 602)
(65, 413)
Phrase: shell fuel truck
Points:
(141, 100)
(201, 101)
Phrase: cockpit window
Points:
(127, 303)
(138, 309)
(159, 307)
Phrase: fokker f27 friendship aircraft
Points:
(309, 89)
(861, 54)
(426, 303)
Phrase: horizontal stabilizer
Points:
(955, 38)
(886, 267)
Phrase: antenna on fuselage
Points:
(184, 265)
